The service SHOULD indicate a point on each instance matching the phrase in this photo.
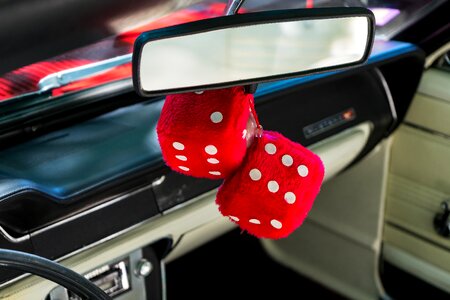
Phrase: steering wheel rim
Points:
(45, 268)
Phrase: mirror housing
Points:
(251, 48)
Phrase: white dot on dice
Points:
(255, 221)
(287, 160)
(210, 149)
(178, 146)
(255, 174)
(276, 224)
(236, 219)
(270, 148)
(181, 157)
(290, 197)
(273, 186)
(184, 168)
(213, 161)
(216, 117)
(303, 170)
(215, 173)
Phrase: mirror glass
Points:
(252, 52)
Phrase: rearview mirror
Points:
(250, 48)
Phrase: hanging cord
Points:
(259, 128)
(232, 8)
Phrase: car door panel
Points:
(418, 182)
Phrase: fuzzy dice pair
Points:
(270, 182)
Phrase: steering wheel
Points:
(29, 263)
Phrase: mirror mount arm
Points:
(232, 8)
(250, 88)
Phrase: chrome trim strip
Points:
(158, 181)
(388, 93)
(65, 77)
(12, 239)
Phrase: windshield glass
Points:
(109, 59)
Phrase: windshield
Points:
(109, 59)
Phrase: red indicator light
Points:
(348, 115)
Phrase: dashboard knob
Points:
(143, 268)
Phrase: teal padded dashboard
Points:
(70, 161)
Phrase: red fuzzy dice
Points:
(205, 134)
(272, 192)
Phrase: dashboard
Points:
(103, 181)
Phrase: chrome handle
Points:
(442, 220)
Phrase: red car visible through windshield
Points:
(26, 79)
